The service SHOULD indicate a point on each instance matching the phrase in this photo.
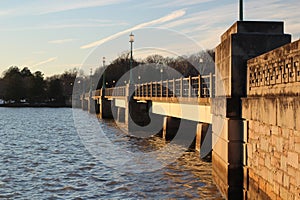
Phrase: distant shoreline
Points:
(22, 105)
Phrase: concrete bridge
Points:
(251, 103)
(164, 105)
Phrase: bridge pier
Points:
(105, 109)
(244, 40)
(92, 105)
(121, 112)
(104, 106)
(186, 132)
(203, 134)
(136, 113)
(170, 127)
(84, 103)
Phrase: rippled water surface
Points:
(43, 157)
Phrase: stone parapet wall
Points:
(278, 111)
(272, 114)
(276, 72)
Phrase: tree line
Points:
(156, 67)
(23, 86)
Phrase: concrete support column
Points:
(84, 104)
(136, 113)
(92, 105)
(121, 113)
(201, 132)
(105, 107)
(170, 127)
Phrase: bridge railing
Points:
(96, 93)
(116, 91)
(196, 87)
(199, 86)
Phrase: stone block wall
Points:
(273, 147)
(272, 125)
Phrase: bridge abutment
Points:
(242, 41)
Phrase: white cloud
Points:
(205, 18)
(54, 6)
(45, 61)
(59, 6)
(83, 24)
(173, 3)
(169, 17)
(61, 41)
(181, 3)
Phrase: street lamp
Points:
(241, 10)
(103, 81)
(91, 80)
(131, 40)
(83, 83)
(161, 74)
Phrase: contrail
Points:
(45, 61)
(166, 18)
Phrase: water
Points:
(42, 157)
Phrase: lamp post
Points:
(131, 40)
(161, 74)
(91, 80)
(241, 11)
(103, 78)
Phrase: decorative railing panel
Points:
(273, 72)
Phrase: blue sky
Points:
(56, 35)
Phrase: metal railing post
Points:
(210, 85)
(174, 89)
(190, 87)
(161, 89)
(199, 86)
(167, 86)
(156, 86)
(151, 89)
(181, 87)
